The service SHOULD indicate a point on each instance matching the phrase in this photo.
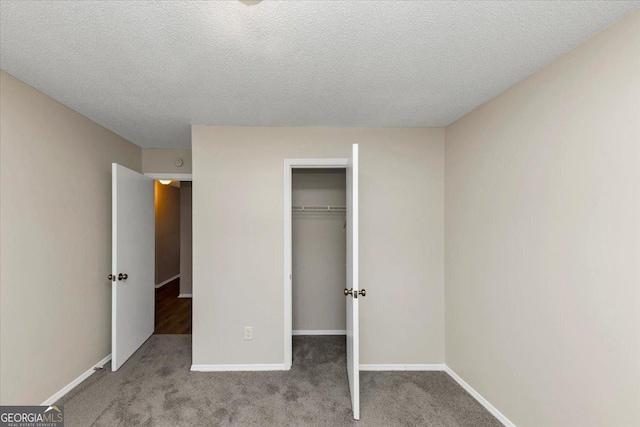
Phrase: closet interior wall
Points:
(319, 251)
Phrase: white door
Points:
(353, 343)
(133, 263)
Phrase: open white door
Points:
(353, 339)
(133, 263)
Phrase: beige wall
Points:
(55, 251)
(167, 214)
(162, 160)
(543, 240)
(238, 232)
(319, 250)
(186, 272)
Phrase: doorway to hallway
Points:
(132, 274)
(173, 265)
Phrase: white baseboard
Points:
(159, 285)
(227, 368)
(185, 296)
(484, 402)
(411, 367)
(319, 332)
(66, 389)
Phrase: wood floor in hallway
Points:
(173, 314)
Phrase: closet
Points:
(319, 251)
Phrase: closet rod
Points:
(320, 208)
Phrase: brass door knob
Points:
(348, 292)
(363, 292)
(111, 277)
(122, 276)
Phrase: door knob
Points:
(361, 292)
(122, 276)
(111, 277)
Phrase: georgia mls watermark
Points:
(31, 416)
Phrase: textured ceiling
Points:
(148, 70)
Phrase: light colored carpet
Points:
(156, 388)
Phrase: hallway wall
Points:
(186, 238)
(167, 216)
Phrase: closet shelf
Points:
(319, 209)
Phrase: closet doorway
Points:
(319, 244)
(326, 247)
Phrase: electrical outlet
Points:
(248, 333)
